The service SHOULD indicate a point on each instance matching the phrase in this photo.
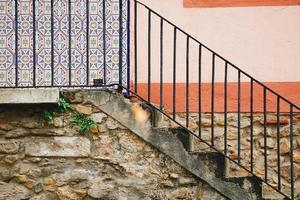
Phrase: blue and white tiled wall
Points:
(61, 42)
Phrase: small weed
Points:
(63, 106)
(83, 123)
(48, 115)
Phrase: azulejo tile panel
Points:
(86, 64)
(43, 43)
(7, 45)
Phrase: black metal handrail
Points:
(161, 22)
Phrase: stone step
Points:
(250, 183)
(232, 170)
(220, 166)
(215, 160)
(217, 163)
(268, 193)
(160, 120)
(168, 143)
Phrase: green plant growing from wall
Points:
(48, 115)
(83, 123)
(62, 107)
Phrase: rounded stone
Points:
(10, 159)
(48, 181)
(297, 157)
(86, 110)
(98, 117)
(38, 188)
(29, 184)
(21, 179)
(58, 122)
(24, 169)
(284, 146)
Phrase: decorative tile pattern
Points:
(61, 67)
(61, 42)
(25, 37)
(7, 43)
(96, 40)
(43, 43)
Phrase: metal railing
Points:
(101, 80)
(150, 45)
(157, 25)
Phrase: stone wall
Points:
(258, 143)
(42, 160)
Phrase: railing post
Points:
(34, 42)
(161, 62)
(265, 134)
(88, 42)
(213, 99)
(104, 40)
(200, 89)
(120, 45)
(292, 150)
(187, 80)
(149, 55)
(70, 41)
(225, 107)
(52, 43)
(16, 43)
(135, 47)
(278, 144)
(174, 71)
(239, 117)
(251, 126)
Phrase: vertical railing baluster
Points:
(239, 117)
(52, 42)
(174, 72)
(120, 45)
(161, 61)
(213, 98)
(200, 90)
(135, 47)
(128, 47)
(70, 42)
(251, 126)
(104, 40)
(149, 55)
(292, 150)
(16, 43)
(187, 80)
(225, 108)
(278, 144)
(87, 42)
(265, 134)
(34, 43)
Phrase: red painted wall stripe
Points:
(237, 3)
(291, 91)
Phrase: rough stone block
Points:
(58, 147)
(9, 147)
(11, 191)
(86, 110)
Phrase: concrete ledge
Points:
(29, 95)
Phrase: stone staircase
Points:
(177, 143)
(229, 170)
